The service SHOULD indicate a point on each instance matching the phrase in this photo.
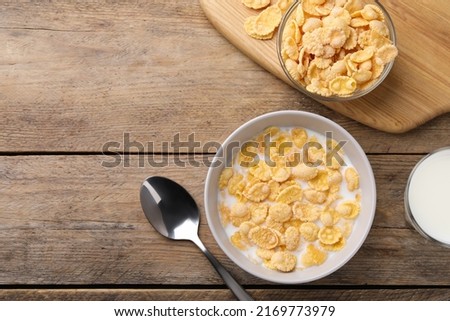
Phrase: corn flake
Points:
(248, 156)
(239, 213)
(250, 29)
(283, 261)
(320, 181)
(292, 31)
(325, 8)
(238, 241)
(284, 4)
(372, 12)
(337, 69)
(312, 42)
(315, 154)
(352, 179)
(261, 171)
(377, 69)
(322, 63)
(362, 76)
(372, 38)
(359, 22)
(256, 4)
(293, 222)
(292, 68)
(281, 174)
(332, 164)
(265, 254)
(343, 85)
(351, 66)
(380, 27)
(313, 256)
(335, 36)
(245, 228)
(275, 225)
(363, 55)
(263, 237)
(274, 190)
(309, 231)
(386, 54)
(237, 221)
(273, 131)
(280, 212)
(329, 217)
(311, 24)
(309, 7)
(333, 196)
(351, 41)
(329, 234)
(225, 176)
(224, 213)
(258, 192)
(259, 212)
(339, 12)
(334, 177)
(299, 137)
(239, 210)
(287, 184)
(290, 194)
(290, 48)
(348, 209)
(305, 172)
(306, 212)
(299, 16)
(339, 245)
(354, 5)
(292, 238)
(337, 22)
(236, 184)
(346, 228)
(314, 196)
(268, 20)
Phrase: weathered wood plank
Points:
(74, 76)
(284, 294)
(68, 220)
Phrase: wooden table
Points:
(76, 75)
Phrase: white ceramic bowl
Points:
(359, 160)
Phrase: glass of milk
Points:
(427, 197)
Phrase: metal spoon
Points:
(172, 211)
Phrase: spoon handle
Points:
(235, 287)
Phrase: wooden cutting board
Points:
(417, 88)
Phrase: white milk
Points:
(428, 196)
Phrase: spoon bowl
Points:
(162, 201)
(172, 211)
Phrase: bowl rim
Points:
(209, 185)
(334, 98)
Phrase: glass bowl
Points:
(335, 98)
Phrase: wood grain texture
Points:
(68, 220)
(282, 294)
(417, 88)
(74, 76)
